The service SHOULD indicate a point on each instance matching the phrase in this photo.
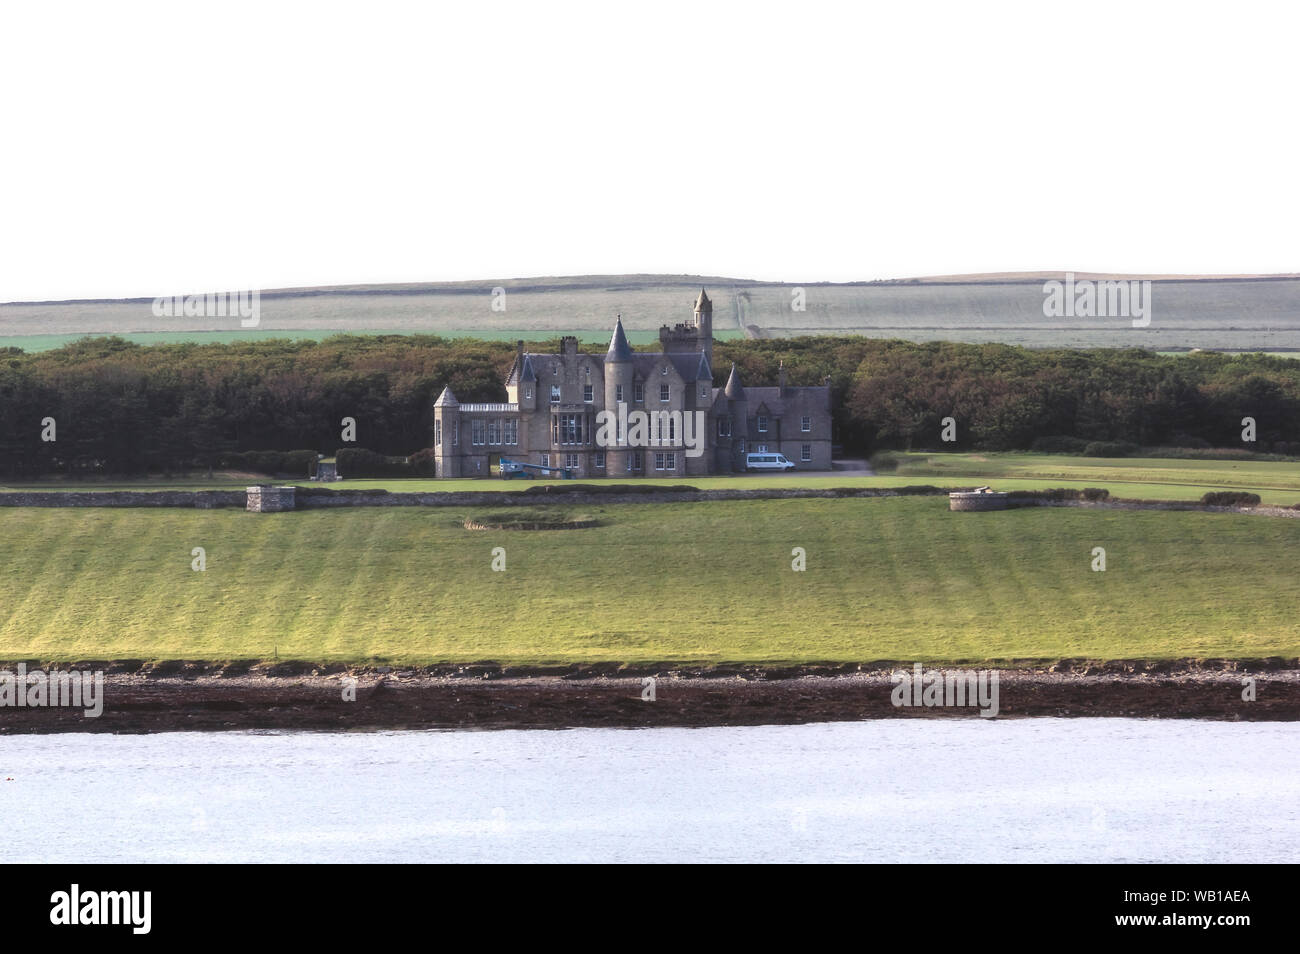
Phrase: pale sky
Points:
(168, 148)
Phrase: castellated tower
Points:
(695, 335)
(618, 380)
(704, 325)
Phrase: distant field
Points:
(1142, 478)
(1250, 314)
(33, 343)
(899, 579)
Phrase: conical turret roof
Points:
(446, 399)
(734, 390)
(618, 346)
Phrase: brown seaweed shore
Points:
(180, 696)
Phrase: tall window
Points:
(638, 393)
(477, 432)
(455, 433)
(546, 460)
(555, 394)
(805, 423)
(762, 424)
(618, 394)
(659, 461)
(567, 429)
(634, 461)
(665, 392)
(805, 452)
(724, 427)
(437, 433)
(670, 461)
(512, 431)
(587, 396)
(494, 431)
(600, 459)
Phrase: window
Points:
(665, 435)
(437, 433)
(567, 429)
(600, 460)
(704, 392)
(455, 433)
(724, 427)
(494, 432)
(546, 460)
(528, 393)
(671, 461)
(477, 432)
(511, 435)
(665, 392)
(555, 394)
(586, 394)
(571, 461)
(618, 394)
(742, 446)
(805, 423)
(638, 393)
(634, 461)
(762, 424)
(805, 452)
(659, 461)
(760, 449)
(664, 369)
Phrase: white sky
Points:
(168, 148)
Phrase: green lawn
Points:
(1142, 478)
(1146, 478)
(898, 578)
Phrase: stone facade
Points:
(553, 413)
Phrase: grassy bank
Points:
(887, 579)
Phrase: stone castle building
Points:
(582, 412)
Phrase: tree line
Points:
(115, 407)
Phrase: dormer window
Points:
(555, 394)
(664, 369)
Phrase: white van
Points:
(767, 462)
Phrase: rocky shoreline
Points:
(181, 696)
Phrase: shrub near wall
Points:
(357, 462)
(300, 463)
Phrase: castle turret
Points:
(704, 324)
(738, 413)
(446, 435)
(618, 390)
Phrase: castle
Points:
(633, 414)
